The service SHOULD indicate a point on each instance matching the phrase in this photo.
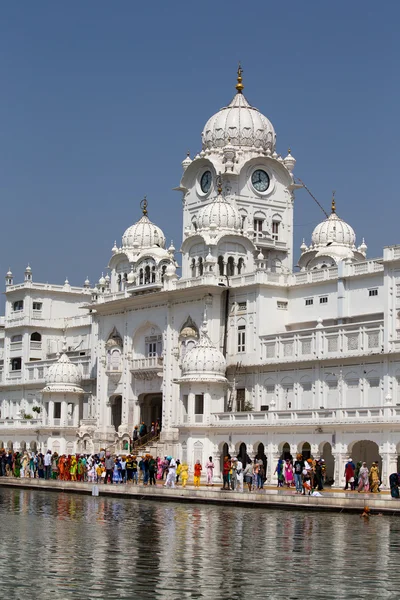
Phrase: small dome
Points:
(189, 332)
(102, 280)
(333, 231)
(28, 269)
(219, 214)
(143, 234)
(9, 273)
(87, 282)
(204, 362)
(114, 249)
(63, 376)
(186, 162)
(289, 161)
(239, 124)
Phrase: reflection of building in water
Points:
(236, 348)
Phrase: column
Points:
(191, 407)
(64, 413)
(272, 478)
(51, 412)
(75, 414)
(340, 454)
(389, 466)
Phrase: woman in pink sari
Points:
(289, 477)
(159, 468)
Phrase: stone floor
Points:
(333, 500)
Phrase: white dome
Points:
(239, 124)
(333, 231)
(143, 234)
(63, 376)
(221, 213)
(204, 362)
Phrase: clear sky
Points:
(101, 100)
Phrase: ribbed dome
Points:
(221, 213)
(204, 362)
(239, 124)
(333, 231)
(63, 376)
(143, 234)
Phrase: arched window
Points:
(194, 222)
(147, 274)
(140, 276)
(16, 338)
(221, 264)
(193, 267)
(240, 266)
(201, 267)
(119, 283)
(153, 275)
(163, 269)
(36, 337)
(230, 267)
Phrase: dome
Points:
(143, 234)
(220, 213)
(63, 376)
(239, 124)
(333, 231)
(204, 362)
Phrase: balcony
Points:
(330, 342)
(315, 418)
(147, 368)
(58, 423)
(19, 423)
(35, 346)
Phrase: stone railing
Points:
(380, 414)
(146, 368)
(327, 342)
(16, 423)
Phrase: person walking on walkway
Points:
(210, 470)
(109, 466)
(248, 475)
(298, 469)
(197, 474)
(47, 464)
(374, 478)
(394, 485)
(239, 475)
(349, 471)
(363, 480)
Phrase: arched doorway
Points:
(365, 451)
(116, 412)
(22, 446)
(242, 454)
(33, 446)
(306, 451)
(224, 452)
(286, 451)
(262, 456)
(326, 454)
(10, 446)
(151, 409)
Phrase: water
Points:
(62, 546)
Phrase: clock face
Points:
(260, 180)
(205, 182)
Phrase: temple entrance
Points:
(151, 409)
(306, 451)
(328, 457)
(116, 411)
(286, 455)
(365, 451)
(261, 455)
(242, 454)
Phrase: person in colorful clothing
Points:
(197, 474)
(279, 472)
(363, 479)
(184, 474)
(210, 470)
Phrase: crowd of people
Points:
(306, 476)
(359, 477)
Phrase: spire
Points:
(333, 205)
(239, 85)
(143, 206)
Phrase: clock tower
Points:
(238, 195)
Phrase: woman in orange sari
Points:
(61, 467)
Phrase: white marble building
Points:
(238, 353)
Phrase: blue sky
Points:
(100, 101)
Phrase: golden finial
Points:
(219, 184)
(143, 206)
(333, 206)
(239, 85)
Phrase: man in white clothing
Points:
(47, 464)
(239, 475)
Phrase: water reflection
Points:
(66, 546)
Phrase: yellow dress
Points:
(374, 479)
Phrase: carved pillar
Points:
(340, 454)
